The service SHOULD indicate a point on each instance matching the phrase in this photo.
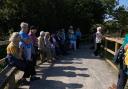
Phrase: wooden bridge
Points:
(78, 70)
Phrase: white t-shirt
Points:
(98, 37)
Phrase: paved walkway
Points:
(78, 70)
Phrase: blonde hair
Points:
(13, 36)
(47, 34)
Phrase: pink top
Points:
(33, 38)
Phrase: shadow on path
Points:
(50, 84)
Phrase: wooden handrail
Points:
(4, 42)
(2, 61)
(1, 44)
(7, 75)
(109, 50)
(117, 41)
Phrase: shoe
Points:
(98, 56)
(34, 78)
(23, 82)
(49, 61)
(54, 59)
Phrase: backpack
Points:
(119, 55)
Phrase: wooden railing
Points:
(7, 75)
(117, 42)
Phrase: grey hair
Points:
(23, 24)
(99, 28)
(41, 33)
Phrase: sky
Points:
(123, 2)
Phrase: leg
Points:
(74, 45)
(42, 56)
(30, 70)
(96, 50)
(122, 79)
(49, 55)
(99, 48)
(77, 43)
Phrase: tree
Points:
(52, 14)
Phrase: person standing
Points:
(48, 46)
(32, 35)
(26, 47)
(41, 46)
(98, 41)
(78, 36)
(72, 38)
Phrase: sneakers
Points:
(23, 82)
(34, 78)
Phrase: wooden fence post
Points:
(12, 82)
(105, 48)
(116, 47)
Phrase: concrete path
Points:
(79, 70)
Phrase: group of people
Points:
(25, 46)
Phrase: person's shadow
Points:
(50, 84)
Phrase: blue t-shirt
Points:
(78, 34)
(24, 36)
(27, 51)
(27, 48)
(72, 37)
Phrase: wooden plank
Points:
(7, 77)
(116, 47)
(2, 61)
(118, 40)
(109, 50)
(112, 64)
(4, 42)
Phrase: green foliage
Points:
(53, 14)
(119, 23)
(109, 5)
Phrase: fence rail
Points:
(7, 75)
(117, 42)
(4, 42)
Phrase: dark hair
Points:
(32, 27)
